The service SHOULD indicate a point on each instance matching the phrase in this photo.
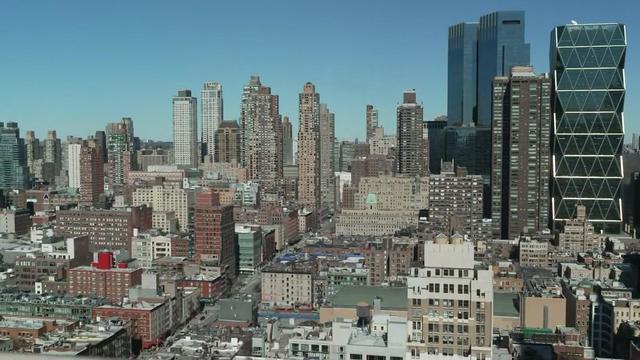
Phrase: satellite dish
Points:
(573, 22)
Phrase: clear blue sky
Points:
(74, 65)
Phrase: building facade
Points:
(212, 113)
(587, 68)
(14, 173)
(520, 153)
(185, 129)
(309, 148)
(327, 177)
(227, 143)
(410, 152)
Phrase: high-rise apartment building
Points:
(309, 148)
(14, 173)
(248, 113)
(119, 144)
(185, 129)
(53, 152)
(33, 150)
(261, 138)
(587, 68)
(450, 303)
(101, 145)
(520, 153)
(501, 46)
(73, 164)
(372, 122)
(410, 153)
(227, 142)
(214, 231)
(91, 173)
(212, 113)
(288, 156)
(462, 69)
(327, 138)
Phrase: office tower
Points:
(247, 113)
(214, 231)
(346, 155)
(14, 173)
(327, 177)
(73, 164)
(587, 67)
(309, 148)
(410, 145)
(288, 157)
(372, 121)
(53, 152)
(635, 142)
(33, 150)
(435, 134)
(520, 153)
(227, 142)
(450, 302)
(462, 68)
(262, 138)
(101, 145)
(91, 173)
(212, 113)
(185, 129)
(501, 46)
(119, 150)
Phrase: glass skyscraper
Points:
(501, 46)
(587, 64)
(14, 173)
(463, 60)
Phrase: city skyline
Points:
(360, 70)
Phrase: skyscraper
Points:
(227, 142)
(212, 113)
(410, 153)
(501, 46)
(185, 129)
(520, 153)
(435, 134)
(262, 138)
(462, 70)
(287, 142)
(309, 147)
(247, 113)
(101, 145)
(33, 149)
(14, 173)
(327, 177)
(372, 122)
(587, 67)
(53, 152)
(119, 150)
(91, 173)
(73, 164)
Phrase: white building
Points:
(211, 112)
(73, 154)
(170, 196)
(378, 337)
(146, 247)
(185, 129)
(450, 303)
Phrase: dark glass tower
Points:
(14, 173)
(587, 66)
(461, 91)
(501, 46)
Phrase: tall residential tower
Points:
(212, 113)
(185, 129)
(309, 147)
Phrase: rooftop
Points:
(504, 304)
(350, 296)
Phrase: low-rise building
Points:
(287, 285)
(542, 304)
(150, 246)
(16, 222)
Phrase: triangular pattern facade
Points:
(588, 69)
